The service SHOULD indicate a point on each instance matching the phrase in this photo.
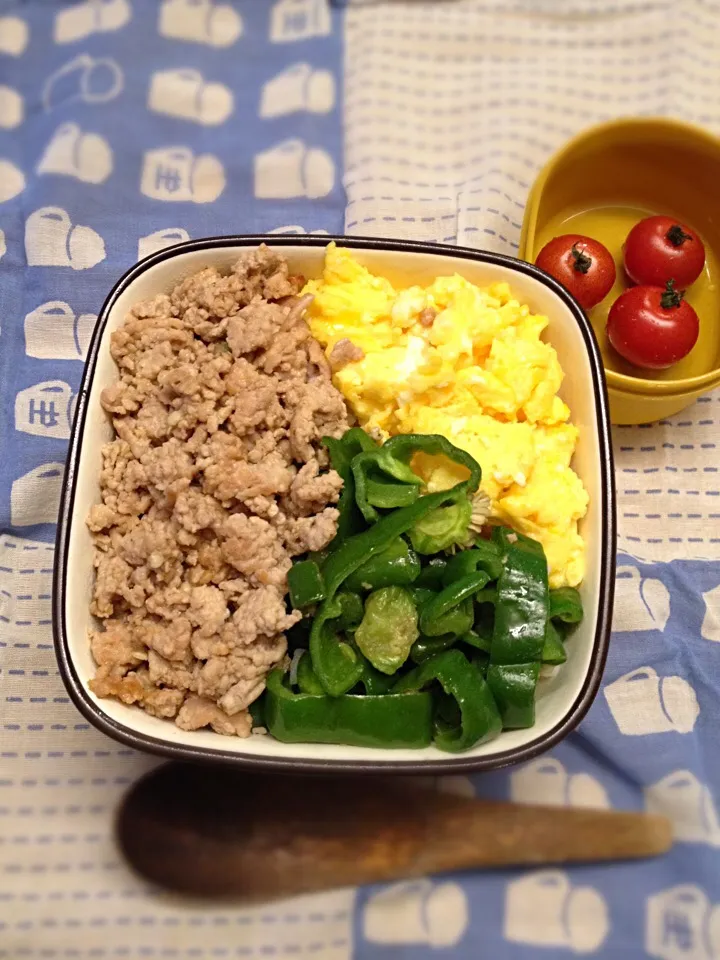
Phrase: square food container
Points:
(562, 700)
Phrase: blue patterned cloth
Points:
(127, 125)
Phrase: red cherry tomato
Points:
(582, 265)
(659, 249)
(652, 327)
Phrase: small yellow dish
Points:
(600, 184)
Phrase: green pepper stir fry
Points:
(415, 629)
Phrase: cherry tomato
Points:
(652, 327)
(659, 249)
(582, 265)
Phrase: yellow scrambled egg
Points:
(467, 363)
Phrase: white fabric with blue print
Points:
(129, 125)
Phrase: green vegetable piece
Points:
(352, 611)
(477, 640)
(484, 625)
(432, 615)
(257, 711)
(373, 683)
(357, 549)
(388, 629)
(431, 574)
(481, 661)
(388, 496)
(405, 446)
(334, 661)
(305, 584)
(521, 610)
(383, 478)
(460, 679)
(426, 647)
(393, 720)
(396, 566)
(341, 452)
(306, 679)
(487, 595)
(553, 649)
(445, 527)
(382, 481)
(513, 687)
(566, 605)
(485, 555)
(420, 595)
(457, 621)
(356, 441)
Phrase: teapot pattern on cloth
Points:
(200, 21)
(545, 781)
(12, 108)
(544, 909)
(424, 912)
(45, 409)
(128, 126)
(641, 702)
(185, 94)
(80, 20)
(87, 79)
(14, 36)
(52, 240)
(643, 603)
(72, 153)
(682, 924)
(689, 804)
(160, 240)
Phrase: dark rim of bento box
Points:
(453, 764)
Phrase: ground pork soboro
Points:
(215, 480)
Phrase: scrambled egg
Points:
(469, 364)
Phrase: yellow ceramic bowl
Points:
(600, 184)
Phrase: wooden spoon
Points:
(219, 832)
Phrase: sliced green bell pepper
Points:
(334, 661)
(388, 629)
(513, 687)
(431, 575)
(426, 647)
(342, 452)
(479, 717)
(521, 609)
(487, 595)
(374, 683)
(457, 620)
(402, 720)
(420, 595)
(382, 481)
(396, 566)
(477, 640)
(404, 447)
(433, 612)
(306, 679)
(305, 584)
(358, 549)
(484, 625)
(485, 555)
(553, 649)
(566, 605)
(352, 611)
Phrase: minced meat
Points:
(216, 478)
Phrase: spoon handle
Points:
(219, 832)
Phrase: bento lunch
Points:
(335, 512)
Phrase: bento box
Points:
(565, 697)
